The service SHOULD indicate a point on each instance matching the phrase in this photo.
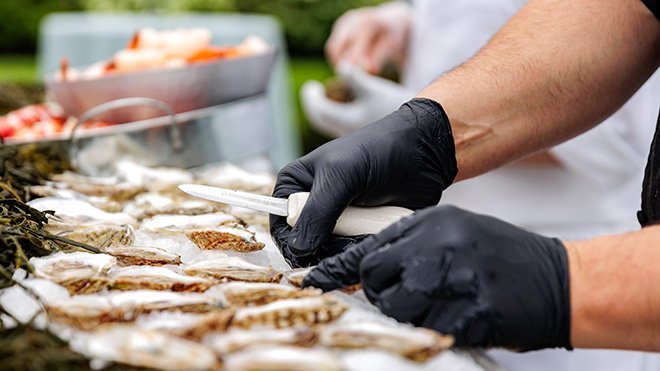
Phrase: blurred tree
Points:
(20, 23)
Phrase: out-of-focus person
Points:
(587, 186)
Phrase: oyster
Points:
(189, 325)
(184, 223)
(281, 358)
(291, 312)
(71, 211)
(98, 235)
(119, 192)
(88, 311)
(236, 339)
(233, 269)
(295, 277)
(156, 278)
(232, 177)
(259, 293)
(150, 204)
(79, 272)
(141, 255)
(417, 344)
(234, 237)
(144, 348)
(102, 203)
(153, 178)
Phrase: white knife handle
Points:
(354, 220)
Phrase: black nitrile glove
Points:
(405, 159)
(487, 282)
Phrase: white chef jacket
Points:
(596, 190)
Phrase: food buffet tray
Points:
(184, 89)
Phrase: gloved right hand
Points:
(405, 159)
(374, 98)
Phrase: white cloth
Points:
(596, 191)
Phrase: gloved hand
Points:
(487, 282)
(374, 98)
(405, 159)
(371, 36)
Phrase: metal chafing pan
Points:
(184, 89)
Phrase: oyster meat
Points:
(281, 358)
(88, 311)
(141, 255)
(417, 344)
(79, 272)
(189, 325)
(232, 269)
(156, 278)
(236, 339)
(259, 293)
(143, 348)
(291, 312)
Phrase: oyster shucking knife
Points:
(353, 221)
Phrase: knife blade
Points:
(353, 221)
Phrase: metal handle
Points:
(175, 133)
(354, 221)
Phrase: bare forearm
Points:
(558, 68)
(615, 291)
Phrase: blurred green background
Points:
(306, 23)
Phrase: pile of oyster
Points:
(183, 283)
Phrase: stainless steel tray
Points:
(185, 89)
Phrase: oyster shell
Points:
(88, 311)
(156, 278)
(71, 211)
(144, 348)
(417, 344)
(153, 178)
(291, 312)
(189, 325)
(141, 255)
(184, 223)
(295, 277)
(119, 192)
(281, 358)
(98, 235)
(259, 293)
(150, 204)
(102, 203)
(233, 269)
(233, 177)
(236, 339)
(79, 272)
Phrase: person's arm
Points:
(615, 291)
(556, 69)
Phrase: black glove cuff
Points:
(560, 335)
(436, 144)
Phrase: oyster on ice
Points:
(78, 272)
(102, 203)
(417, 344)
(259, 293)
(141, 255)
(143, 348)
(156, 278)
(150, 204)
(215, 231)
(72, 211)
(188, 325)
(162, 179)
(232, 269)
(98, 235)
(236, 339)
(281, 358)
(291, 312)
(88, 311)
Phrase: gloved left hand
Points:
(487, 282)
(374, 98)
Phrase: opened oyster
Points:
(258, 293)
(98, 235)
(291, 312)
(156, 278)
(189, 325)
(236, 339)
(233, 269)
(141, 255)
(144, 348)
(88, 311)
(215, 231)
(295, 277)
(280, 358)
(79, 272)
(417, 344)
